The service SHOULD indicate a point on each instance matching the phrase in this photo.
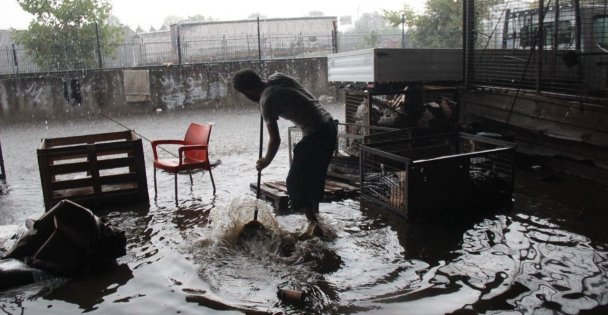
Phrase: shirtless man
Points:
(282, 96)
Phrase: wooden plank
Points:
(331, 188)
(72, 183)
(116, 163)
(86, 139)
(86, 166)
(277, 191)
(279, 198)
(78, 150)
(69, 168)
(268, 190)
(118, 178)
(343, 186)
(61, 194)
(280, 186)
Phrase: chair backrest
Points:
(197, 134)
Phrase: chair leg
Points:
(212, 182)
(175, 176)
(155, 190)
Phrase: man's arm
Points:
(273, 146)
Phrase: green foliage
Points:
(439, 27)
(63, 34)
(256, 15)
(371, 40)
(369, 22)
(316, 13)
(174, 19)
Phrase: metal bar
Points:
(98, 46)
(468, 41)
(259, 41)
(2, 170)
(540, 42)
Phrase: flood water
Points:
(548, 254)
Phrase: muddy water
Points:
(546, 255)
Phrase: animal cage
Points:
(344, 164)
(426, 109)
(437, 176)
(97, 170)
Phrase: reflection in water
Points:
(555, 269)
(98, 286)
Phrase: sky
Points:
(147, 13)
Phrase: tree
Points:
(197, 18)
(139, 29)
(172, 19)
(256, 15)
(368, 32)
(64, 34)
(371, 40)
(369, 22)
(316, 13)
(440, 26)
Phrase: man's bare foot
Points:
(313, 229)
(311, 216)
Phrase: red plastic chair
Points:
(193, 154)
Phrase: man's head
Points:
(249, 83)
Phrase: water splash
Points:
(251, 270)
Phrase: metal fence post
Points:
(15, 59)
(402, 30)
(2, 170)
(259, 41)
(468, 41)
(98, 46)
(179, 46)
(540, 41)
(334, 37)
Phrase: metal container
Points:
(382, 65)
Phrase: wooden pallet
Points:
(95, 170)
(277, 192)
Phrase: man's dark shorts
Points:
(311, 157)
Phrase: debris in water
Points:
(292, 297)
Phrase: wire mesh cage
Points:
(344, 164)
(428, 109)
(438, 175)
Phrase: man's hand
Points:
(261, 164)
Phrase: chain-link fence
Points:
(212, 42)
(550, 45)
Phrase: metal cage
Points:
(437, 175)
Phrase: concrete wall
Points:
(51, 96)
